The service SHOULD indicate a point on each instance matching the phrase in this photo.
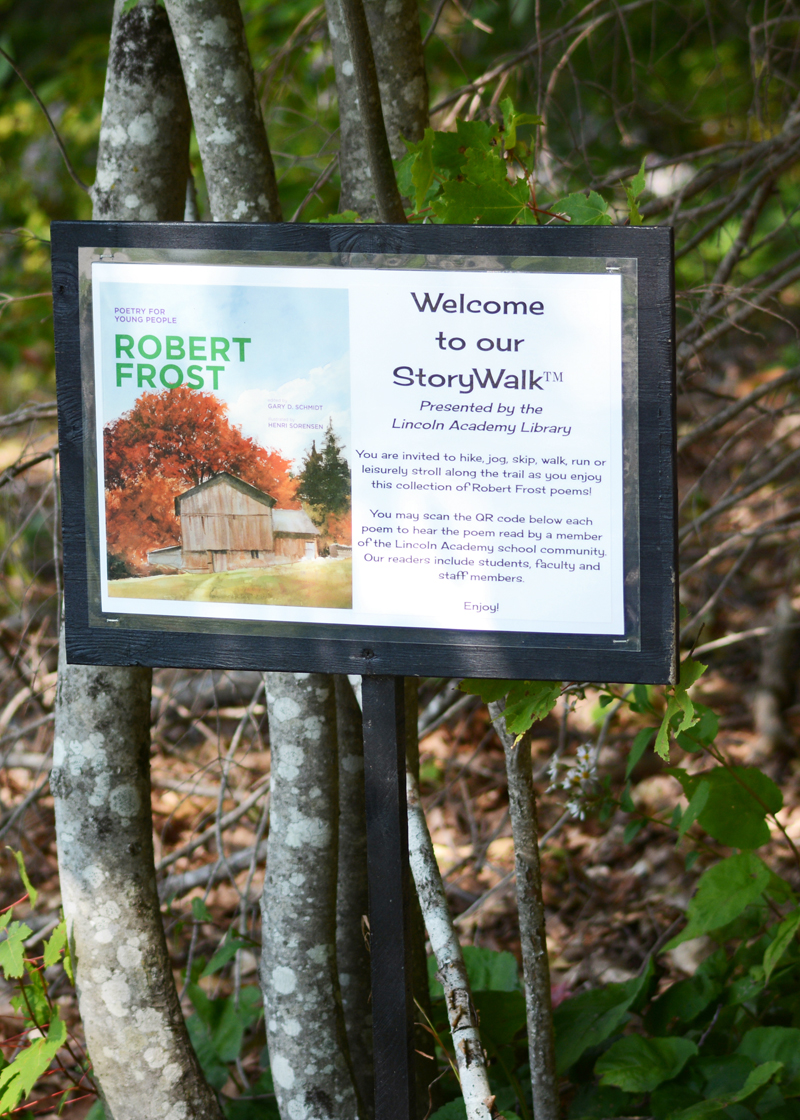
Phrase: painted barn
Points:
(227, 524)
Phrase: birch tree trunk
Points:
(135, 1030)
(425, 1069)
(352, 895)
(308, 1051)
(216, 62)
(530, 906)
(143, 158)
(452, 974)
(400, 63)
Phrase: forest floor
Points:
(608, 902)
(306, 583)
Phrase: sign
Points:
(420, 450)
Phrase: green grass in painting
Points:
(304, 584)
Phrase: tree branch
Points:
(387, 194)
(73, 174)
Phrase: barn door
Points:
(311, 550)
(219, 561)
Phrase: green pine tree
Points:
(325, 478)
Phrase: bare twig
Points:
(530, 907)
(725, 415)
(67, 161)
(10, 473)
(210, 833)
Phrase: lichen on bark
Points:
(240, 175)
(400, 63)
(135, 1031)
(143, 156)
(134, 1027)
(309, 1056)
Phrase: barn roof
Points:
(225, 479)
(293, 521)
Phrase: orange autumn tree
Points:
(167, 443)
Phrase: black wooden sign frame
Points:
(384, 655)
(647, 654)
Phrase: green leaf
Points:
(214, 1070)
(775, 1044)
(670, 1098)
(488, 690)
(639, 1065)
(594, 1103)
(422, 171)
(226, 951)
(783, 939)
(633, 192)
(224, 1021)
(55, 944)
(480, 135)
(632, 830)
(697, 804)
(583, 210)
(725, 890)
(453, 1110)
(641, 741)
(702, 733)
(756, 1079)
(691, 672)
(641, 699)
(661, 745)
(31, 1002)
(488, 970)
(684, 1001)
(724, 1074)
(502, 1016)
(780, 891)
(679, 703)
(12, 950)
(18, 1078)
(591, 1017)
(736, 807)
(200, 911)
(634, 217)
(485, 203)
(638, 181)
(512, 121)
(67, 962)
(33, 894)
(528, 702)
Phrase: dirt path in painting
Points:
(314, 583)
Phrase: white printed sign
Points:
(389, 447)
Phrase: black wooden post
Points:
(387, 856)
